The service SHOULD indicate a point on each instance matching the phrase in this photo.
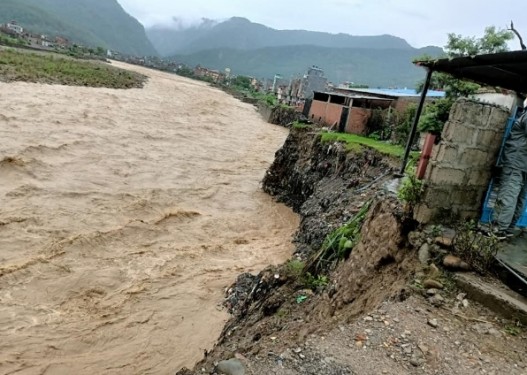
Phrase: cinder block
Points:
(488, 138)
(447, 175)
(437, 197)
(497, 119)
(473, 157)
(479, 177)
(461, 134)
(447, 152)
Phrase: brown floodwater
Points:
(124, 215)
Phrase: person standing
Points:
(511, 200)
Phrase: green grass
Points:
(356, 142)
(51, 68)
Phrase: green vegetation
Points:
(354, 143)
(299, 125)
(474, 248)
(296, 269)
(6, 40)
(338, 244)
(90, 22)
(56, 69)
(411, 189)
(436, 114)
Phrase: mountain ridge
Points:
(240, 33)
(374, 67)
(93, 22)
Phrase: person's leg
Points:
(520, 206)
(511, 184)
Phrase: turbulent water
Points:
(123, 216)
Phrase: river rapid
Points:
(124, 215)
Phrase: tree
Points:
(492, 41)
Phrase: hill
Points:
(92, 22)
(240, 33)
(374, 67)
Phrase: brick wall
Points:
(333, 113)
(358, 120)
(318, 110)
(459, 172)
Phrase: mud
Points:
(326, 185)
(124, 215)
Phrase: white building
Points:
(15, 27)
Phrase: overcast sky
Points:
(420, 22)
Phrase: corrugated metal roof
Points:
(398, 92)
(507, 70)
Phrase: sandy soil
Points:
(124, 214)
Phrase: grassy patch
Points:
(299, 125)
(356, 142)
(55, 69)
(338, 244)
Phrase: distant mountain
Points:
(92, 22)
(371, 66)
(240, 33)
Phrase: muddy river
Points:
(124, 215)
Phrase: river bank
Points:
(371, 315)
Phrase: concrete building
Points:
(314, 80)
(15, 27)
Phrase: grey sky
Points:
(420, 22)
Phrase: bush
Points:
(338, 244)
(411, 189)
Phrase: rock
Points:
(433, 272)
(445, 241)
(423, 348)
(424, 254)
(416, 361)
(437, 300)
(429, 283)
(433, 323)
(465, 303)
(416, 239)
(455, 263)
(368, 319)
(231, 367)
(432, 292)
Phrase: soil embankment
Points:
(124, 215)
(371, 318)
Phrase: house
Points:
(214, 75)
(61, 42)
(15, 27)
(345, 113)
(402, 98)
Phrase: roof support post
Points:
(416, 122)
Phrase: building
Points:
(314, 80)
(345, 113)
(214, 75)
(401, 97)
(62, 42)
(15, 27)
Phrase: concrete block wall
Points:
(459, 171)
